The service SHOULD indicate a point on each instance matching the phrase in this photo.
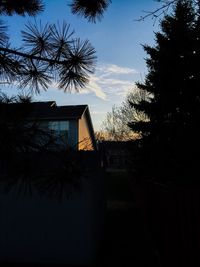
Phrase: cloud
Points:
(120, 70)
(96, 88)
(115, 69)
(111, 80)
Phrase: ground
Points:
(148, 225)
(126, 242)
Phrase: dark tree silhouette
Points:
(21, 7)
(32, 158)
(49, 53)
(171, 136)
(90, 9)
(19, 134)
(93, 10)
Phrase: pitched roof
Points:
(49, 110)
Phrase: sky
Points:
(117, 39)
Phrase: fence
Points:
(172, 222)
(38, 225)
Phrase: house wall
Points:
(73, 133)
(84, 138)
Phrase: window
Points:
(59, 129)
(58, 126)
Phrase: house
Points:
(71, 125)
(60, 220)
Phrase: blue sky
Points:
(117, 40)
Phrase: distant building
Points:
(72, 125)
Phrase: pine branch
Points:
(48, 52)
(92, 10)
(21, 7)
(31, 56)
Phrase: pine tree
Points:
(171, 134)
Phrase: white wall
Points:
(37, 229)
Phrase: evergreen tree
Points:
(171, 134)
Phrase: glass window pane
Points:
(64, 125)
(59, 125)
(53, 125)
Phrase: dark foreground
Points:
(126, 242)
(160, 229)
(149, 224)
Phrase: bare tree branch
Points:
(158, 11)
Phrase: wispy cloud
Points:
(94, 87)
(110, 80)
(109, 69)
(120, 70)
